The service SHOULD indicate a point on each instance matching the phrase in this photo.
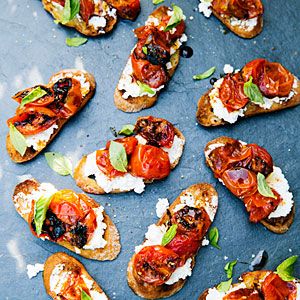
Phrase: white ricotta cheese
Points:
(183, 38)
(298, 291)
(141, 140)
(98, 296)
(176, 150)
(214, 294)
(205, 242)
(98, 22)
(161, 206)
(247, 24)
(169, 65)
(227, 69)
(33, 270)
(212, 147)
(181, 272)
(97, 241)
(205, 7)
(152, 21)
(58, 278)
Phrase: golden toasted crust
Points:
(204, 193)
(276, 225)
(111, 235)
(90, 185)
(206, 117)
(71, 264)
(79, 24)
(30, 152)
(134, 104)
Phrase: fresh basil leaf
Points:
(169, 235)
(252, 91)
(59, 163)
(118, 156)
(71, 9)
(224, 286)
(145, 88)
(176, 18)
(145, 50)
(205, 74)
(229, 268)
(33, 95)
(157, 1)
(286, 269)
(263, 187)
(213, 237)
(17, 139)
(85, 296)
(41, 207)
(75, 41)
(127, 130)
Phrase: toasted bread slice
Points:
(134, 104)
(55, 9)
(276, 225)
(70, 265)
(90, 185)
(205, 195)
(30, 152)
(207, 118)
(111, 235)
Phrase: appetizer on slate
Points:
(91, 17)
(243, 17)
(152, 61)
(151, 152)
(260, 87)
(160, 265)
(72, 220)
(43, 111)
(66, 278)
(247, 170)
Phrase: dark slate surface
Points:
(33, 47)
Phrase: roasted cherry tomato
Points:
(274, 288)
(240, 181)
(149, 162)
(157, 132)
(231, 92)
(129, 143)
(126, 9)
(155, 264)
(243, 294)
(253, 68)
(87, 9)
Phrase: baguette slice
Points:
(205, 195)
(56, 11)
(276, 225)
(90, 185)
(71, 265)
(134, 104)
(207, 118)
(30, 152)
(111, 235)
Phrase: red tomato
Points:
(231, 92)
(155, 264)
(149, 162)
(253, 68)
(129, 143)
(126, 9)
(240, 181)
(243, 294)
(87, 9)
(274, 288)
(61, 2)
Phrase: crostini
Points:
(92, 17)
(244, 18)
(66, 278)
(152, 61)
(126, 164)
(260, 87)
(160, 266)
(74, 221)
(247, 170)
(43, 111)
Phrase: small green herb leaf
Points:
(118, 156)
(157, 1)
(33, 95)
(59, 163)
(252, 91)
(127, 130)
(229, 268)
(71, 9)
(41, 207)
(213, 237)
(169, 235)
(176, 18)
(76, 41)
(286, 269)
(205, 75)
(17, 139)
(224, 286)
(263, 187)
(145, 50)
(145, 88)
(85, 296)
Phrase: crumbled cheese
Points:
(181, 272)
(97, 22)
(205, 242)
(173, 30)
(39, 141)
(212, 147)
(97, 241)
(176, 150)
(98, 296)
(175, 46)
(141, 140)
(58, 278)
(247, 24)
(126, 182)
(169, 65)
(161, 206)
(278, 182)
(214, 294)
(183, 38)
(228, 69)
(33, 270)
(152, 21)
(298, 291)
(205, 7)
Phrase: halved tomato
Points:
(126, 9)
(253, 68)
(87, 9)
(243, 294)
(129, 143)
